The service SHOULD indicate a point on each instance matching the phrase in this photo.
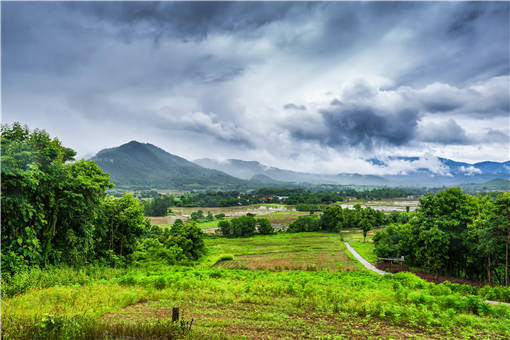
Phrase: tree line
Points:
(334, 219)
(55, 210)
(456, 234)
(157, 204)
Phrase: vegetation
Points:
(245, 226)
(158, 206)
(55, 211)
(227, 302)
(456, 234)
(334, 219)
(306, 200)
(77, 263)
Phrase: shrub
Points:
(264, 226)
(305, 223)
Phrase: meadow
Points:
(287, 285)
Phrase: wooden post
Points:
(175, 314)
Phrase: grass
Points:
(298, 287)
(208, 224)
(260, 304)
(282, 251)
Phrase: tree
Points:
(304, 224)
(243, 226)
(197, 215)
(49, 202)
(125, 224)
(159, 206)
(501, 219)
(332, 219)
(225, 227)
(264, 227)
(210, 216)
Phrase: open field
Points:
(227, 303)
(300, 285)
(283, 251)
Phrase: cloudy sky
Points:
(306, 86)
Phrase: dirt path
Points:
(369, 266)
(364, 262)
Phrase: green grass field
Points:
(283, 251)
(301, 285)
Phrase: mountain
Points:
(451, 173)
(249, 169)
(146, 165)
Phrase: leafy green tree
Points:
(152, 252)
(225, 227)
(305, 224)
(189, 238)
(124, 223)
(332, 219)
(49, 202)
(210, 216)
(159, 206)
(197, 215)
(264, 227)
(243, 226)
(501, 219)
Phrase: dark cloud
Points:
(361, 126)
(234, 72)
(444, 133)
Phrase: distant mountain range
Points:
(145, 165)
(451, 173)
(249, 169)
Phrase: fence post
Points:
(175, 314)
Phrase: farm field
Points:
(283, 251)
(300, 285)
(277, 214)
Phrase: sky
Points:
(316, 87)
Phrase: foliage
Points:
(305, 223)
(50, 204)
(264, 227)
(453, 233)
(245, 226)
(158, 206)
(404, 300)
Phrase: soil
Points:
(395, 268)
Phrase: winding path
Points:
(364, 262)
(371, 267)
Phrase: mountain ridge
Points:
(144, 164)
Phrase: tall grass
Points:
(398, 299)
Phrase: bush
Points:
(225, 228)
(305, 223)
(264, 226)
(151, 251)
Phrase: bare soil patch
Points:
(268, 322)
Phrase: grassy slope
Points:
(261, 303)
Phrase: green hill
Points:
(146, 165)
(495, 184)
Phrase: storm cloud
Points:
(309, 86)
